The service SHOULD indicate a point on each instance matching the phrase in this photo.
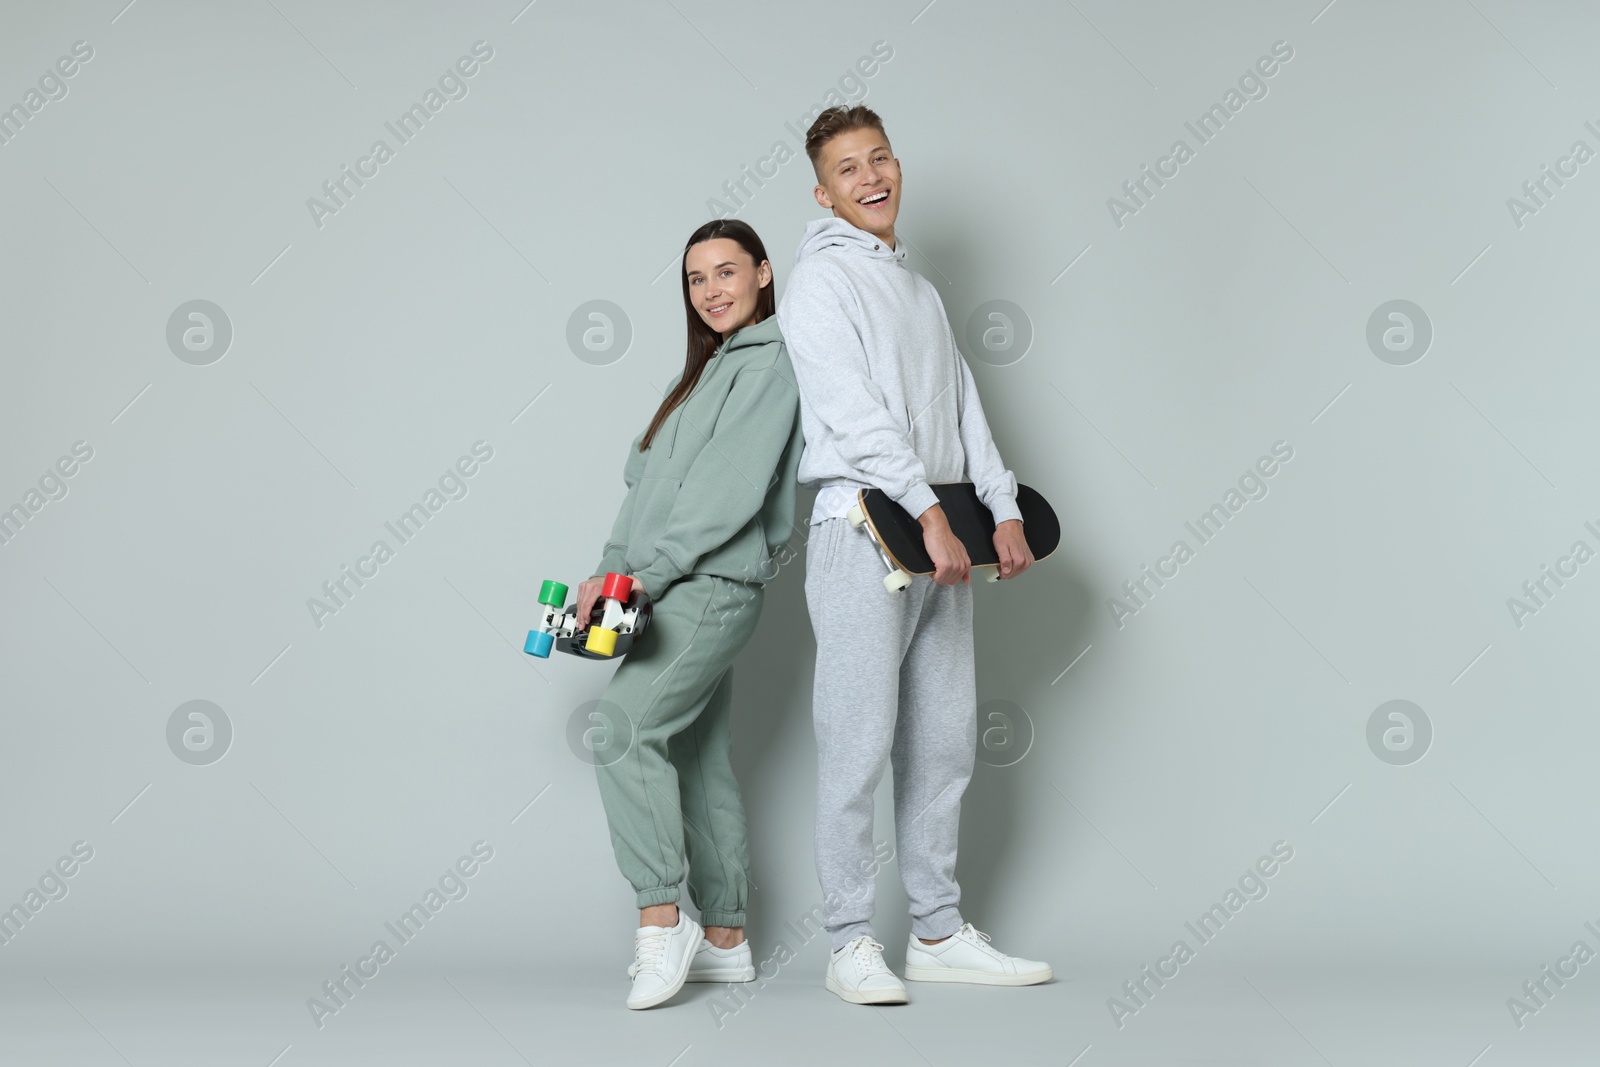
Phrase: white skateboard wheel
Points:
(856, 516)
(896, 581)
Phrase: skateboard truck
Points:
(897, 580)
(619, 618)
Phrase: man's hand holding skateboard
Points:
(956, 536)
(951, 562)
(1012, 548)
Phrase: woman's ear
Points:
(764, 275)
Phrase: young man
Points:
(886, 400)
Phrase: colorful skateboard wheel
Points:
(539, 643)
(554, 594)
(617, 586)
(602, 642)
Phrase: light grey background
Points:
(1168, 354)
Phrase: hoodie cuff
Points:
(1004, 508)
(661, 573)
(919, 498)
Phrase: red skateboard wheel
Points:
(617, 586)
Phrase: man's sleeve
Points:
(831, 368)
(727, 482)
(997, 487)
(616, 550)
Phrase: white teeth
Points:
(876, 198)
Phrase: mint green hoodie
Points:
(714, 492)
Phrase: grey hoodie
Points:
(886, 398)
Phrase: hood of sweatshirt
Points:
(753, 336)
(835, 233)
(758, 333)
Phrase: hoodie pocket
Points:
(651, 510)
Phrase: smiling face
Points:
(724, 283)
(860, 181)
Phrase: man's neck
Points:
(887, 237)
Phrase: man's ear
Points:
(822, 197)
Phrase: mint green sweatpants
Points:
(673, 791)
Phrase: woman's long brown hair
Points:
(703, 340)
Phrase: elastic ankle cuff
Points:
(845, 934)
(722, 918)
(941, 924)
(667, 894)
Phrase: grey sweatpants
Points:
(894, 682)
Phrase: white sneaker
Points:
(713, 964)
(858, 974)
(661, 958)
(966, 956)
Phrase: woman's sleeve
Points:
(616, 549)
(727, 482)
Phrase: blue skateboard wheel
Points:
(539, 644)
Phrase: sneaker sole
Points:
(747, 974)
(871, 996)
(952, 974)
(677, 984)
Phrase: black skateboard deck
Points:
(898, 536)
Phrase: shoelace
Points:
(648, 953)
(970, 929)
(868, 960)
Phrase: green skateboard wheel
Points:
(554, 594)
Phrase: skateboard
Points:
(898, 537)
(620, 617)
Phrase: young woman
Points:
(711, 490)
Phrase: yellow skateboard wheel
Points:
(601, 641)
